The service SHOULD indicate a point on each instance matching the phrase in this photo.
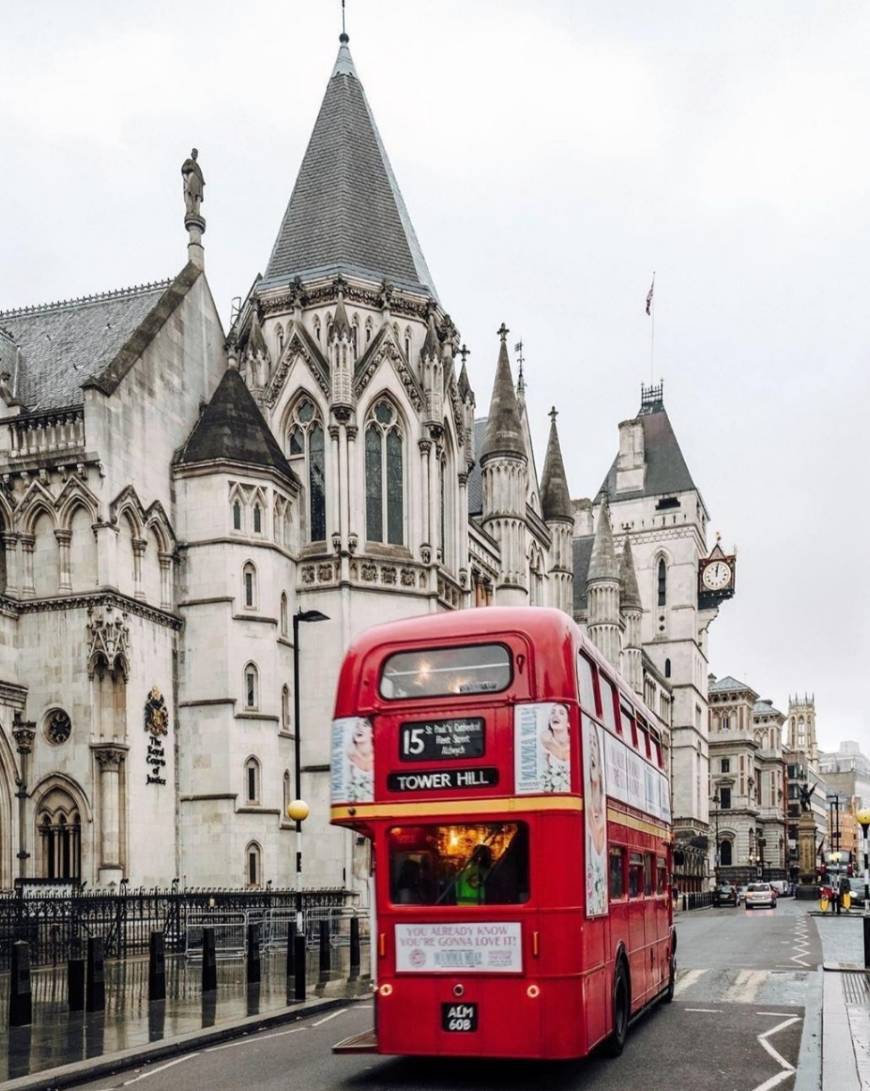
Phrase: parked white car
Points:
(760, 895)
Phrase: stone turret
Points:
(602, 591)
(558, 512)
(504, 471)
(631, 613)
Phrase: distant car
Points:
(741, 894)
(780, 886)
(725, 894)
(856, 887)
(760, 895)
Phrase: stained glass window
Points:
(395, 489)
(374, 485)
(305, 440)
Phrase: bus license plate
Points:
(459, 1018)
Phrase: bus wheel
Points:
(621, 1000)
(672, 978)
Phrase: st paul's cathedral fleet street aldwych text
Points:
(173, 494)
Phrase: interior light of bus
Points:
(533, 991)
(382, 946)
(386, 989)
(536, 949)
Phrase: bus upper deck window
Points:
(586, 677)
(446, 672)
(628, 729)
(607, 714)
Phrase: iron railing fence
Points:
(57, 926)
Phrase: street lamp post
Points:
(863, 817)
(298, 809)
(715, 801)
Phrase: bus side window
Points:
(658, 749)
(586, 678)
(661, 877)
(648, 872)
(635, 875)
(607, 714)
(617, 871)
(628, 728)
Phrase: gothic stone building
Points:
(173, 495)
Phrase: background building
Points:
(802, 769)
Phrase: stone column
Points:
(24, 732)
(64, 537)
(339, 483)
(139, 545)
(110, 760)
(27, 544)
(435, 503)
(165, 580)
(10, 544)
(425, 446)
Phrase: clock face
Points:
(716, 576)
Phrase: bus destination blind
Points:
(441, 740)
(482, 777)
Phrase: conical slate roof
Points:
(630, 596)
(603, 564)
(504, 432)
(346, 213)
(555, 495)
(231, 428)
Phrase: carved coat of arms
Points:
(156, 713)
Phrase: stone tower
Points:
(505, 474)
(802, 727)
(558, 512)
(602, 591)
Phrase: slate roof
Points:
(475, 480)
(231, 428)
(346, 213)
(62, 345)
(582, 550)
(765, 707)
(666, 469)
(555, 494)
(727, 685)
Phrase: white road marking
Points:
(778, 1014)
(787, 1069)
(250, 1038)
(326, 1018)
(690, 978)
(745, 987)
(160, 1068)
(709, 1011)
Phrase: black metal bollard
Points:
(20, 999)
(95, 998)
(354, 948)
(291, 951)
(209, 961)
(75, 984)
(156, 967)
(253, 958)
(866, 941)
(325, 951)
(299, 961)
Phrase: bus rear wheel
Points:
(621, 1001)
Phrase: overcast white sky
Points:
(551, 155)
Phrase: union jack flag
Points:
(649, 295)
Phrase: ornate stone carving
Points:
(426, 553)
(308, 575)
(58, 726)
(109, 757)
(324, 573)
(370, 572)
(407, 577)
(352, 542)
(108, 641)
(336, 541)
(388, 575)
(23, 732)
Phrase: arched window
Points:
(285, 709)
(536, 580)
(385, 475)
(252, 781)
(60, 840)
(249, 582)
(725, 856)
(305, 443)
(667, 668)
(258, 519)
(253, 866)
(284, 629)
(662, 582)
(287, 797)
(252, 685)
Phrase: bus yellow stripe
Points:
(440, 807)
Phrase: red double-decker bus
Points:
(515, 794)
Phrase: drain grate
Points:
(856, 989)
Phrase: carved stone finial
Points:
(108, 641)
(194, 193)
(503, 331)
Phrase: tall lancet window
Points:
(385, 475)
(307, 454)
(662, 582)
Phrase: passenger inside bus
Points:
(459, 865)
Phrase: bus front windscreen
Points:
(446, 672)
(482, 864)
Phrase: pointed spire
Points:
(628, 578)
(340, 324)
(462, 383)
(602, 562)
(346, 212)
(504, 434)
(555, 494)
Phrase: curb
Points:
(809, 1066)
(71, 1075)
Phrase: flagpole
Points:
(651, 307)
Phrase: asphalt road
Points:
(735, 1025)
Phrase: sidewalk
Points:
(845, 1005)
